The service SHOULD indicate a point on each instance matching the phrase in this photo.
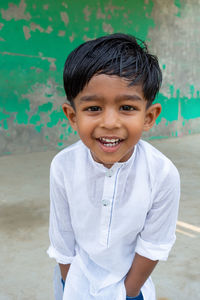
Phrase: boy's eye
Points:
(127, 107)
(93, 108)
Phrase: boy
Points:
(114, 197)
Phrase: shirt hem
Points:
(153, 251)
(61, 259)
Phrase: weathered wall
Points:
(36, 36)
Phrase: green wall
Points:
(36, 37)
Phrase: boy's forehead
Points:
(102, 84)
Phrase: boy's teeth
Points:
(109, 140)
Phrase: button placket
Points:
(105, 202)
(107, 198)
(109, 173)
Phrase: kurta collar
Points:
(116, 165)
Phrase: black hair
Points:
(116, 54)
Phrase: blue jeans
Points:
(139, 297)
(63, 283)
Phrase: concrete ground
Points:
(26, 271)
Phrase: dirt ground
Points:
(27, 272)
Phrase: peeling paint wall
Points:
(175, 39)
(36, 37)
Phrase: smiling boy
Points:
(114, 197)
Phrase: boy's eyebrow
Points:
(118, 98)
(129, 97)
(90, 98)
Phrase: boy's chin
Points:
(106, 163)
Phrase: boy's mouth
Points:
(109, 142)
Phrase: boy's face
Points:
(110, 117)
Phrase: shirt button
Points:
(105, 202)
(109, 173)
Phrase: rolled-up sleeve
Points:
(158, 235)
(62, 242)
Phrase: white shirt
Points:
(100, 217)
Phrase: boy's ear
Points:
(70, 113)
(151, 115)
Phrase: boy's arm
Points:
(64, 270)
(158, 234)
(139, 272)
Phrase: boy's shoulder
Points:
(69, 154)
(160, 167)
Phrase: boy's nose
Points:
(110, 119)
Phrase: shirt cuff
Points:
(61, 259)
(153, 251)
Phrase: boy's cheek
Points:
(74, 125)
